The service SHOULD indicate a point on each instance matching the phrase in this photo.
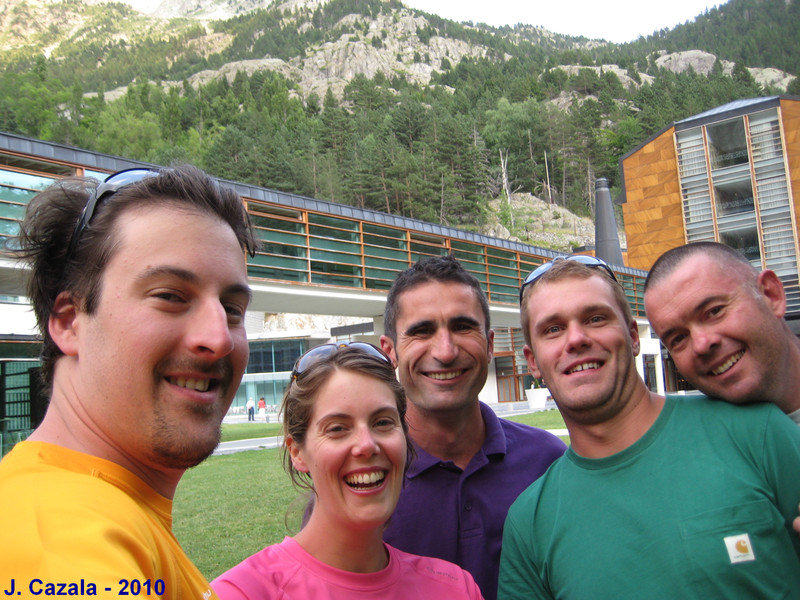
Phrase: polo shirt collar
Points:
(495, 443)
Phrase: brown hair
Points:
(440, 269)
(566, 269)
(301, 394)
(49, 222)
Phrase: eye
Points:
(385, 423)
(552, 330)
(335, 429)
(235, 313)
(421, 331)
(169, 296)
(676, 340)
(714, 310)
(597, 319)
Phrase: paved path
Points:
(253, 444)
(504, 410)
(275, 441)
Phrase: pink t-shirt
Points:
(288, 572)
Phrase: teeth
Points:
(365, 479)
(585, 366)
(728, 363)
(200, 385)
(444, 376)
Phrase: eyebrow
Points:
(340, 415)
(696, 309)
(587, 310)
(458, 320)
(192, 277)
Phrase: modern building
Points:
(316, 258)
(730, 175)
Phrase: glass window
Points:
(691, 152)
(24, 180)
(733, 197)
(99, 175)
(745, 240)
(727, 144)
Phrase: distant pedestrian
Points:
(251, 409)
(262, 408)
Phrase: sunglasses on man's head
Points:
(584, 259)
(325, 350)
(112, 184)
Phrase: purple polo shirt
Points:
(458, 515)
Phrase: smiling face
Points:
(160, 359)
(582, 346)
(355, 452)
(442, 350)
(722, 327)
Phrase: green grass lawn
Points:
(230, 507)
(246, 431)
(545, 419)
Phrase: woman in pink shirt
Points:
(346, 441)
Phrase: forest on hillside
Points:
(435, 152)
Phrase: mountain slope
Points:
(365, 102)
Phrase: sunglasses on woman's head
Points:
(325, 350)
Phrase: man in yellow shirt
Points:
(140, 290)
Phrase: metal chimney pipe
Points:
(606, 238)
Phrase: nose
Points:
(444, 347)
(365, 442)
(576, 337)
(704, 341)
(210, 330)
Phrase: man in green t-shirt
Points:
(656, 497)
(722, 322)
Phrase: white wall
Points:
(17, 319)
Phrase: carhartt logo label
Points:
(739, 548)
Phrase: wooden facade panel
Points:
(662, 194)
(649, 172)
(644, 216)
(647, 254)
(634, 229)
(790, 115)
(634, 195)
(653, 213)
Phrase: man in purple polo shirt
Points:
(469, 465)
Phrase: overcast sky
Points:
(614, 20)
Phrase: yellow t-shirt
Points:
(78, 525)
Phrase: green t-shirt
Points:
(700, 507)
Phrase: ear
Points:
(634, 333)
(296, 454)
(63, 324)
(531, 360)
(387, 345)
(771, 288)
(490, 343)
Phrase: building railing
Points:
(308, 241)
